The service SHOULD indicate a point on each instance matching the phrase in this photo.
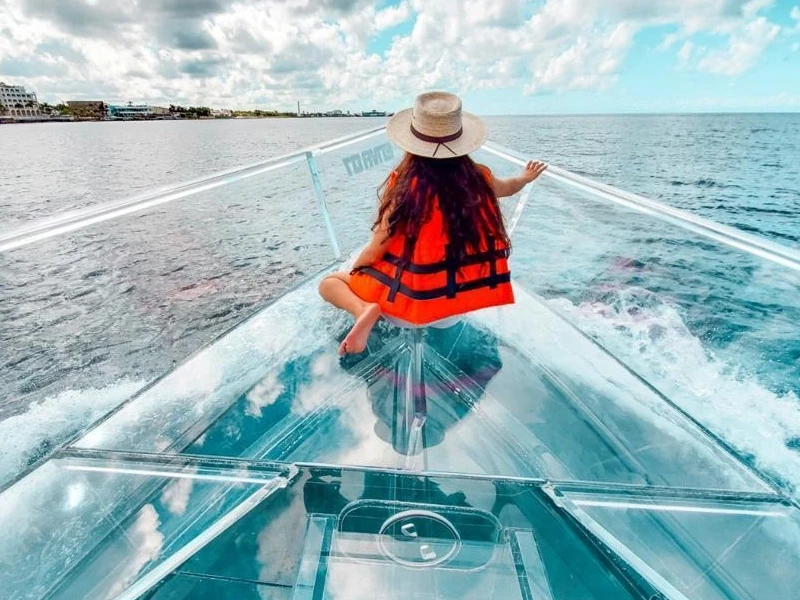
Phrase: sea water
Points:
(741, 170)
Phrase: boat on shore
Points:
(512, 454)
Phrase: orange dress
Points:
(431, 285)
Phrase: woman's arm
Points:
(376, 247)
(510, 186)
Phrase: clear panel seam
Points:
(155, 576)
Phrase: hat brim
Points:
(398, 128)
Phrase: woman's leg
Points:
(335, 288)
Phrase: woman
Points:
(440, 246)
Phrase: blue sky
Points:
(652, 78)
(502, 56)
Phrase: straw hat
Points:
(436, 127)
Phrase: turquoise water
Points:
(741, 170)
(89, 321)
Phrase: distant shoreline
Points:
(5, 121)
(248, 118)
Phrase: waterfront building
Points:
(135, 111)
(129, 111)
(87, 109)
(18, 103)
(221, 113)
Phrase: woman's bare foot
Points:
(356, 339)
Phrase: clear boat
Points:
(514, 454)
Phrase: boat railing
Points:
(737, 239)
(67, 222)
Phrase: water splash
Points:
(649, 335)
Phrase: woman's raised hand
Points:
(532, 171)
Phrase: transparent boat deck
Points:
(509, 456)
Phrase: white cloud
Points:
(145, 537)
(795, 16)
(668, 41)
(744, 48)
(177, 493)
(273, 53)
(588, 63)
(264, 394)
(752, 8)
(685, 53)
(392, 16)
(494, 13)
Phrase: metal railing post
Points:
(323, 206)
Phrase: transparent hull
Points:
(511, 455)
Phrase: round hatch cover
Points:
(418, 539)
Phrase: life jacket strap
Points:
(438, 267)
(492, 263)
(452, 269)
(402, 264)
(440, 292)
(450, 266)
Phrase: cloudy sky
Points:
(503, 56)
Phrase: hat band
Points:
(438, 140)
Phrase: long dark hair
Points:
(469, 206)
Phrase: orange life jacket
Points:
(431, 285)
